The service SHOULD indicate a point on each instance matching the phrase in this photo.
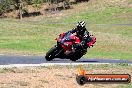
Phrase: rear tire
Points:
(50, 55)
(76, 56)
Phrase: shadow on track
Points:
(56, 60)
(87, 61)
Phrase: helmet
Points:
(81, 24)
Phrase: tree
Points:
(20, 4)
(5, 6)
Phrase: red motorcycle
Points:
(64, 49)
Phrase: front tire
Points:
(50, 55)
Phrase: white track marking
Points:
(45, 64)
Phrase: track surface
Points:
(10, 59)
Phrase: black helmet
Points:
(81, 24)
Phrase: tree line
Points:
(9, 5)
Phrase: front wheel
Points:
(50, 55)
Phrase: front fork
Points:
(59, 49)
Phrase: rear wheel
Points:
(50, 55)
(76, 56)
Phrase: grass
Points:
(108, 15)
(107, 66)
(113, 41)
(125, 86)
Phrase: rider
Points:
(82, 33)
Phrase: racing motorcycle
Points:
(64, 47)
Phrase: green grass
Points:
(113, 41)
(108, 15)
(125, 86)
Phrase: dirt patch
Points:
(54, 77)
(130, 5)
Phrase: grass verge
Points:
(113, 41)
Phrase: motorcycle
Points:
(64, 47)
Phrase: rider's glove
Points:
(89, 39)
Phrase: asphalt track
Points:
(36, 60)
